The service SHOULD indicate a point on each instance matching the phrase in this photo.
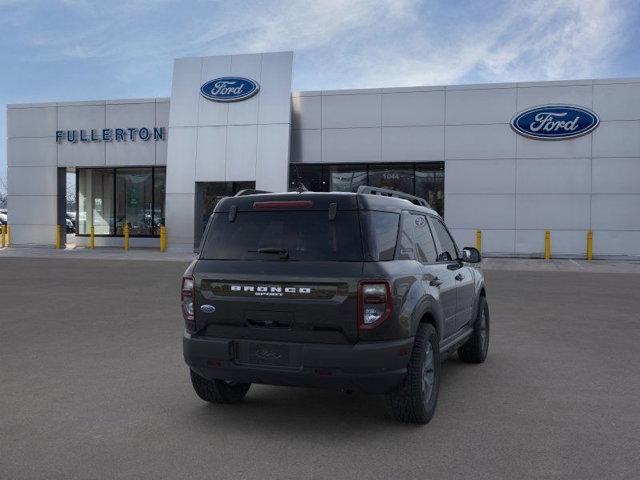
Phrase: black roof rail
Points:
(250, 191)
(384, 192)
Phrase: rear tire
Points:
(218, 391)
(476, 348)
(415, 399)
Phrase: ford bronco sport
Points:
(356, 291)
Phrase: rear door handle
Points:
(459, 277)
(435, 282)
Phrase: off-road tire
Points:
(413, 401)
(218, 391)
(476, 348)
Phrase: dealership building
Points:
(512, 159)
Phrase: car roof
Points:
(322, 200)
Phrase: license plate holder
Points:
(271, 354)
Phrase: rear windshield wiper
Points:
(283, 252)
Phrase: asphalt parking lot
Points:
(92, 385)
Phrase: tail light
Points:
(186, 299)
(374, 304)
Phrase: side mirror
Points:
(471, 255)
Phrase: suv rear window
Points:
(305, 235)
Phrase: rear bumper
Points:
(372, 367)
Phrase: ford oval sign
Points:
(555, 122)
(229, 89)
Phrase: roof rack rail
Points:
(250, 191)
(384, 192)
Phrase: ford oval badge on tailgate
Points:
(207, 308)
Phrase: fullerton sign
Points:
(110, 135)
(555, 122)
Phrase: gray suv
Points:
(356, 291)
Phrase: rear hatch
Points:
(281, 268)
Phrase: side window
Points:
(406, 240)
(448, 250)
(424, 241)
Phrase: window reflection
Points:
(95, 201)
(392, 176)
(134, 191)
(430, 185)
(344, 178)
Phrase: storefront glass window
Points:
(134, 193)
(344, 178)
(309, 176)
(430, 185)
(392, 176)
(110, 198)
(159, 193)
(95, 201)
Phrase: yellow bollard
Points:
(8, 235)
(126, 237)
(589, 245)
(479, 240)
(92, 237)
(3, 234)
(58, 237)
(163, 238)
(547, 244)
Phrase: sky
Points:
(96, 49)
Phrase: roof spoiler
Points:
(384, 192)
(250, 191)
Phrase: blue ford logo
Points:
(555, 122)
(207, 308)
(229, 89)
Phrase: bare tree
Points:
(3, 193)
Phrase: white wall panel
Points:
(351, 145)
(412, 144)
(306, 146)
(179, 218)
(162, 120)
(36, 152)
(615, 212)
(275, 96)
(616, 175)
(185, 92)
(181, 168)
(479, 211)
(246, 111)
(208, 112)
(137, 152)
(569, 212)
(32, 210)
(32, 122)
(82, 117)
(273, 157)
(479, 142)
(40, 235)
(211, 154)
(306, 112)
(81, 154)
(347, 111)
(479, 176)
(617, 102)
(125, 115)
(541, 95)
(241, 152)
(574, 148)
(558, 175)
(495, 105)
(617, 139)
(616, 243)
(567, 243)
(32, 180)
(412, 108)
(493, 241)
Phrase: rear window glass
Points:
(305, 235)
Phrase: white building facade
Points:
(152, 162)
